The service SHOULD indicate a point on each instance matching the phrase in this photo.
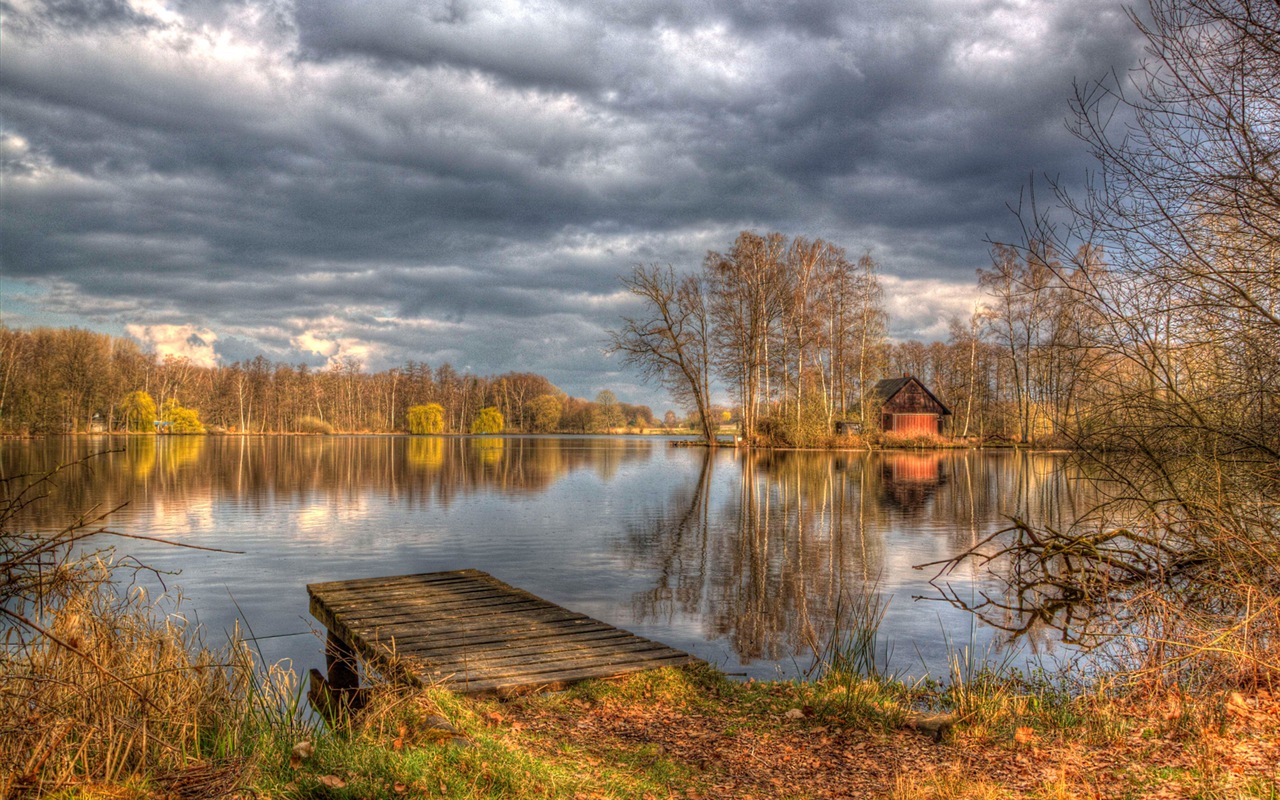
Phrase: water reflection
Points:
(798, 535)
(181, 469)
(910, 479)
(742, 557)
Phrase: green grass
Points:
(392, 753)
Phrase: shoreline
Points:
(684, 440)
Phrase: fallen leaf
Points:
(1237, 706)
(397, 743)
(332, 782)
(1024, 735)
(399, 788)
(794, 713)
(301, 752)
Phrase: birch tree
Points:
(747, 289)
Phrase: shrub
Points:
(489, 420)
(314, 425)
(180, 418)
(915, 440)
(427, 419)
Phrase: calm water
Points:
(739, 558)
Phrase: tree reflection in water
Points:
(766, 557)
(420, 469)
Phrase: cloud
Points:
(923, 308)
(51, 17)
(180, 341)
(396, 180)
(327, 341)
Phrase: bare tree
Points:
(1022, 287)
(871, 329)
(671, 343)
(1182, 418)
(747, 293)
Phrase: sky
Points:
(465, 181)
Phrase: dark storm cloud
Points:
(464, 180)
(54, 16)
(559, 49)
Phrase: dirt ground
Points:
(1160, 751)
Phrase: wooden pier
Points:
(471, 633)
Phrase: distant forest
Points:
(64, 380)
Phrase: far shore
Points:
(684, 439)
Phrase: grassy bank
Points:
(105, 694)
(695, 734)
(669, 733)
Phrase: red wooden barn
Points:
(908, 407)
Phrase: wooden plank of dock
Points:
(474, 634)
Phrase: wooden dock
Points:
(472, 633)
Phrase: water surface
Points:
(740, 558)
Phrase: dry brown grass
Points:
(109, 688)
(102, 685)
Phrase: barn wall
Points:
(915, 423)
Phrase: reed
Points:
(101, 684)
(855, 647)
(107, 690)
(853, 678)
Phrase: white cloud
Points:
(922, 308)
(329, 341)
(183, 341)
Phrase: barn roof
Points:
(885, 390)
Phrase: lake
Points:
(742, 558)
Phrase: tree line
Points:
(62, 380)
